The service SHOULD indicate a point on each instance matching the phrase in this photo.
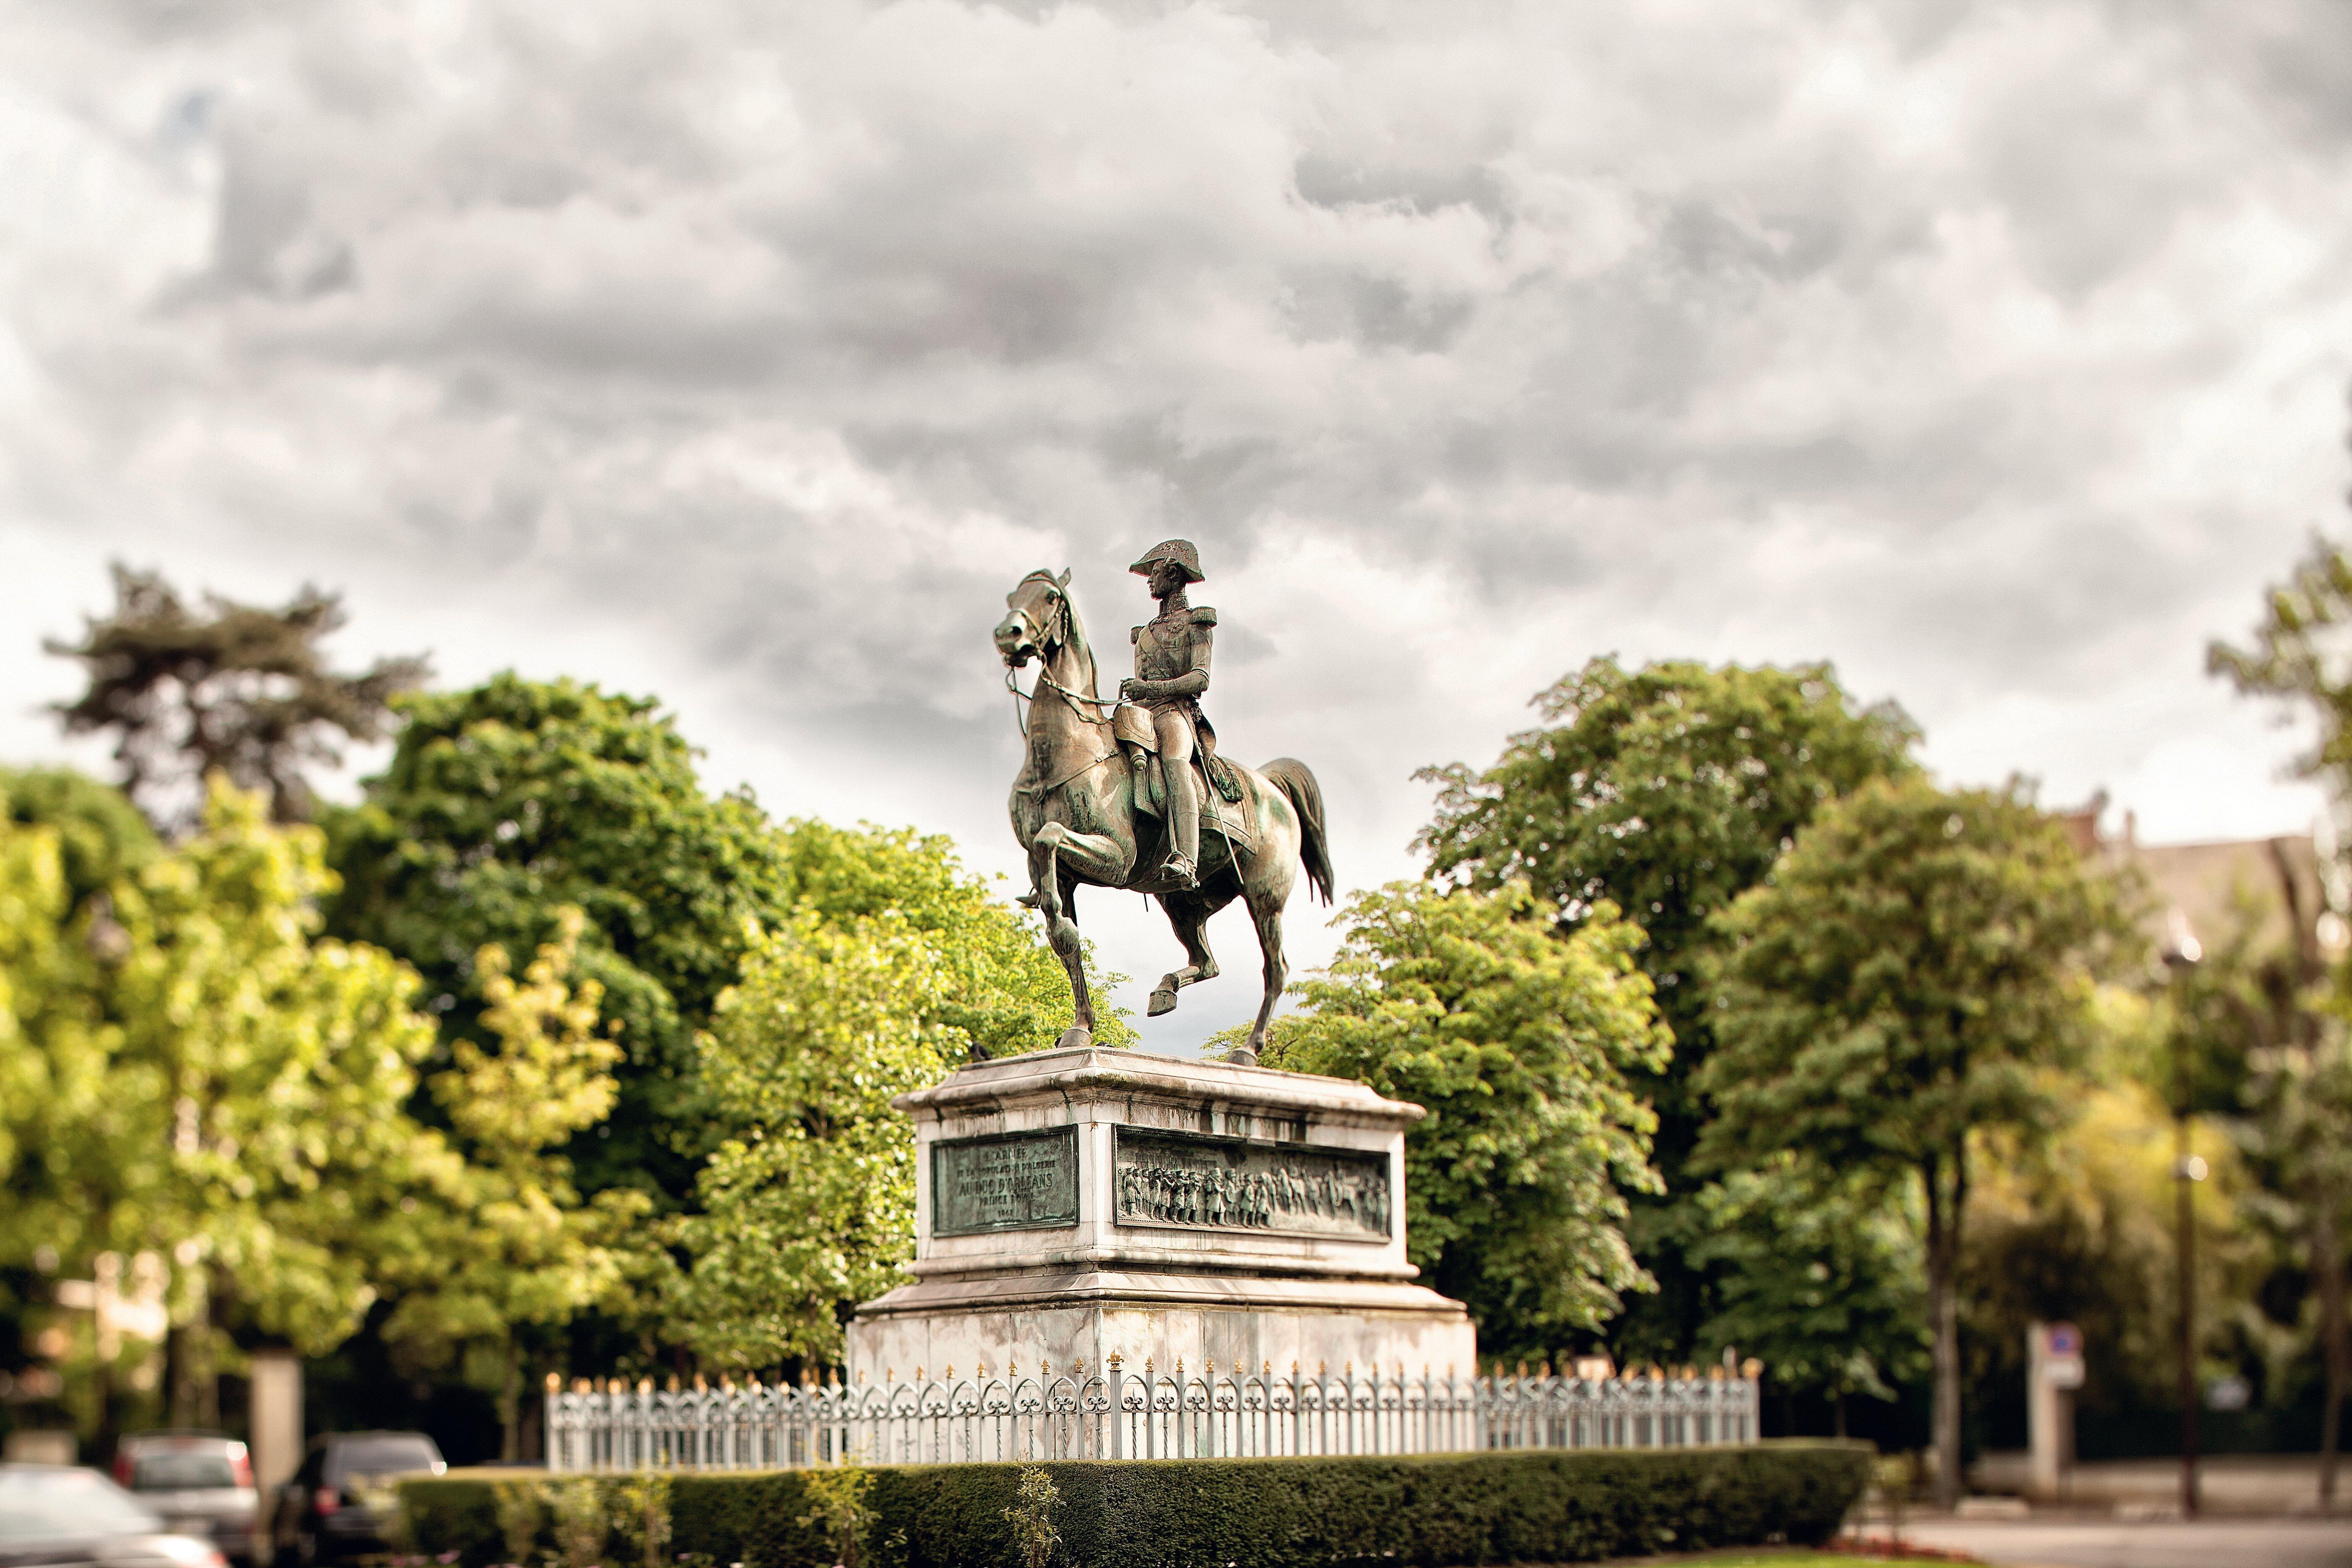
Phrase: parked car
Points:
(335, 1507)
(62, 1516)
(201, 1482)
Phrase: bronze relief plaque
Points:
(1190, 1181)
(1005, 1181)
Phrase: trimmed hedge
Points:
(1415, 1512)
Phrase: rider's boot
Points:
(1184, 825)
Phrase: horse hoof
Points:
(1241, 1056)
(1162, 1001)
(1073, 1037)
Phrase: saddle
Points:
(1220, 786)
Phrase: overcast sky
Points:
(746, 354)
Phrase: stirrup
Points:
(1182, 872)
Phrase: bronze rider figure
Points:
(1171, 671)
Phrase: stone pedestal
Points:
(1074, 1205)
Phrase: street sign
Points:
(2064, 1343)
(2063, 1372)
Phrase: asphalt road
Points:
(2104, 1543)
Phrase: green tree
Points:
(509, 802)
(808, 1205)
(2302, 654)
(1520, 1042)
(101, 837)
(1916, 975)
(193, 1074)
(1665, 792)
(509, 1244)
(1821, 1279)
(233, 688)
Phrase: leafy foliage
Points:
(1665, 792)
(212, 1074)
(1034, 1503)
(235, 689)
(839, 1507)
(509, 802)
(1821, 1279)
(808, 1207)
(101, 837)
(1520, 1043)
(1916, 973)
(2300, 1095)
(506, 1240)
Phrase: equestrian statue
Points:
(1133, 794)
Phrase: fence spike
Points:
(700, 1385)
(1114, 1361)
(644, 1386)
(554, 1383)
(951, 1374)
(1078, 1368)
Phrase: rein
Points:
(1076, 700)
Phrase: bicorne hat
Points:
(1180, 551)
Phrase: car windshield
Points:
(386, 1455)
(182, 1470)
(40, 1502)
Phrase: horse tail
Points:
(1291, 776)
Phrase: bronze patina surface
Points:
(1192, 1181)
(1112, 793)
(1007, 1180)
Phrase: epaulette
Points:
(1135, 634)
(1203, 616)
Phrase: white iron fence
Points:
(1113, 1414)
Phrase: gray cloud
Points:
(751, 354)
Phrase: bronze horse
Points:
(1075, 811)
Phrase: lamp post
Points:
(2180, 955)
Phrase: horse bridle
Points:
(1055, 631)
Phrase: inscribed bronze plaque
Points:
(1006, 1181)
(1188, 1181)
